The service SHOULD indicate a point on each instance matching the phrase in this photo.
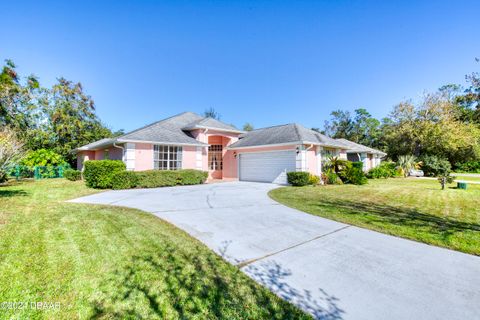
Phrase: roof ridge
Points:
(278, 125)
(297, 131)
(157, 122)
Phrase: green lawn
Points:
(109, 262)
(463, 178)
(411, 208)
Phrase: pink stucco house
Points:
(190, 141)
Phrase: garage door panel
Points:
(266, 166)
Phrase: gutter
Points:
(119, 147)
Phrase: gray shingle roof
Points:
(97, 144)
(169, 130)
(211, 124)
(353, 147)
(288, 133)
(173, 130)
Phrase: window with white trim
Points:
(167, 157)
(215, 160)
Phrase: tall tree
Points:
(361, 127)
(212, 113)
(469, 101)
(366, 129)
(72, 119)
(247, 127)
(18, 100)
(11, 150)
(430, 128)
(340, 125)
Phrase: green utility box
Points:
(462, 185)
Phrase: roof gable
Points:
(284, 134)
(211, 123)
(353, 147)
(169, 130)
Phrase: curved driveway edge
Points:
(329, 269)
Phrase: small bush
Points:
(469, 166)
(384, 170)
(354, 176)
(298, 179)
(157, 178)
(125, 180)
(191, 176)
(313, 180)
(357, 164)
(99, 173)
(434, 166)
(330, 177)
(72, 174)
(43, 158)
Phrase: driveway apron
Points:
(329, 269)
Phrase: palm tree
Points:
(407, 163)
(335, 163)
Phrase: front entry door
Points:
(215, 160)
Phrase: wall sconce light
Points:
(234, 154)
(297, 149)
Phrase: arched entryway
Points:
(216, 151)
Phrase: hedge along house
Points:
(370, 157)
(190, 141)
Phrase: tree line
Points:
(443, 124)
(59, 118)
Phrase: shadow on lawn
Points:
(11, 193)
(401, 216)
(168, 283)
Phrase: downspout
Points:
(123, 150)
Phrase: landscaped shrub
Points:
(330, 177)
(72, 175)
(470, 166)
(191, 176)
(384, 170)
(313, 180)
(353, 175)
(357, 164)
(298, 178)
(125, 180)
(434, 166)
(99, 173)
(169, 178)
(157, 178)
(43, 158)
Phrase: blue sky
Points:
(264, 62)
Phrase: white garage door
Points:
(266, 166)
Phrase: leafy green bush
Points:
(125, 180)
(298, 178)
(313, 180)
(353, 175)
(384, 170)
(330, 177)
(72, 174)
(357, 164)
(99, 173)
(434, 166)
(157, 178)
(191, 176)
(469, 166)
(44, 158)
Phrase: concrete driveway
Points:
(329, 269)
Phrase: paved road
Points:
(330, 269)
